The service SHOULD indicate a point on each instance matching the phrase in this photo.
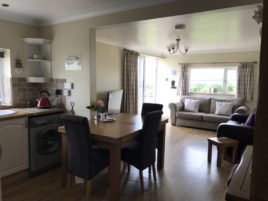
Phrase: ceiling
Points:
(42, 12)
(225, 30)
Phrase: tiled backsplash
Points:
(24, 92)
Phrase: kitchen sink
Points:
(4, 113)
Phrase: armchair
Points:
(236, 128)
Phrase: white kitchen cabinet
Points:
(14, 146)
(38, 59)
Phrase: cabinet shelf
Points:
(38, 57)
(38, 60)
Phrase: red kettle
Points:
(43, 102)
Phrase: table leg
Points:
(114, 173)
(161, 147)
(234, 153)
(219, 157)
(209, 151)
(64, 159)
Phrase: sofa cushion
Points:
(190, 115)
(191, 105)
(215, 118)
(204, 105)
(237, 103)
(223, 108)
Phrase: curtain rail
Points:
(253, 62)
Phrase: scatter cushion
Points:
(223, 108)
(191, 105)
(251, 119)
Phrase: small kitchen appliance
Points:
(43, 101)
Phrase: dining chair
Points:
(84, 159)
(150, 107)
(141, 154)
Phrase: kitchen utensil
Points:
(43, 102)
(72, 108)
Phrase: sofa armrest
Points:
(242, 133)
(241, 118)
(242, 110)
(174, 107)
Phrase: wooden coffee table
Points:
(222, 143)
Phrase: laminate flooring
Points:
(186, 177)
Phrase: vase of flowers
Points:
(98, 108)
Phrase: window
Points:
(5, 74)
(213, 80)
(147, 76)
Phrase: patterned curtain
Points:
(130, 82)
(245, 81)
(183, 80)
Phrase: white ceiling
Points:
(42, 12)
(226, 30)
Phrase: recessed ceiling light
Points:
(5, 5)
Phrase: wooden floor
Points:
(187, 177)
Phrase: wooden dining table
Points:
(114, 136)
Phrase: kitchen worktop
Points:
(29, 112)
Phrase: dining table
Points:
(114, 135)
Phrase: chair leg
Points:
(154, 172)
(69, 182)
(149, 170)
(88, 190)
(141, 180)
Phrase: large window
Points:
(147, 80)
(213, 80)
(5, 74)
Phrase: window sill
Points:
(208, 94)
(2, 107)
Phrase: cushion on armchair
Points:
(251, 119)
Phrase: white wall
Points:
(11, 38)
(109, 69)
(171, 63)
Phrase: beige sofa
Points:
(205, 117)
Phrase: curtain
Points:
(183, 80)
(130, 82)
(245, 81)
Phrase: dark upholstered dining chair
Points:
(150, 107)
(142, 153)
(84, 159)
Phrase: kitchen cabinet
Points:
(38, 59)
(13, 146)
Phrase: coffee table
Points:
(222, 143)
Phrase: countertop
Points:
(29, 112)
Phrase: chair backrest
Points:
(150, 107)
(79, 150)
(148, 136)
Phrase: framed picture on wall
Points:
(73, 62)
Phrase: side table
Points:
(222, 143)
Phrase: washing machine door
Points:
(48, 141)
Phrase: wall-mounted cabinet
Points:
(38, 59)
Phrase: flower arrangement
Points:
(98, 107)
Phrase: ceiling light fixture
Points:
(5, 5)
(176, 47)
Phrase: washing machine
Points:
(44, 143)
